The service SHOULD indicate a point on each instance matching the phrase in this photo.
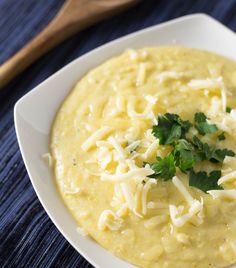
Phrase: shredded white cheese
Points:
(195, 208)
(154, 221)
(97, 135)
(179, 221)
(233, 114)
(48, 159)
(142, 74)
(229, 194)
(182, 189)
(81, 231)
(229, 171)
(150, 150)
(146, 114)
(211, 84)
(214, 69)
(75, 190)
(215, 108)
(121, 168)
(133, 146)
(225, 122)
(120, 103)
(131, 164)
(137, 199)
(204, 83)
(151, 99)
(162, 77)
(133, 54)
(122, 211)
(103, 144)
(230, 161)
(104, 157)
(109, 219)
(154, 205)
(182, 238)
(117, 146)
(145, 191)
(226, 178)
(129, 198)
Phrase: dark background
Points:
(28, 238)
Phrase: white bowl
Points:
(34, 114)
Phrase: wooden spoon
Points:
(74, 16)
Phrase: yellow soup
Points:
(103, 148)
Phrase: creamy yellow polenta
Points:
(102, 136)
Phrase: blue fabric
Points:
(28, 238)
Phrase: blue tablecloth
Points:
(28, 238)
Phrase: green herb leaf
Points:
(164, 168)
(228, 109)
(184, 155)
(205, 182)
(219, 154)
(202, 126)
(170, 128)
(204, 151)
(183, 145)
(175, 134)
(221, 137)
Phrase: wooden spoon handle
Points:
(42, 43)
(65, 24)
(52, 35)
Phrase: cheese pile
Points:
(119, 161)
(130, 194)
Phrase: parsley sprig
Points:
(207, 152)
(184, 155)
(164, 167)
(203, 181)
(172, 130)
(202, 125)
